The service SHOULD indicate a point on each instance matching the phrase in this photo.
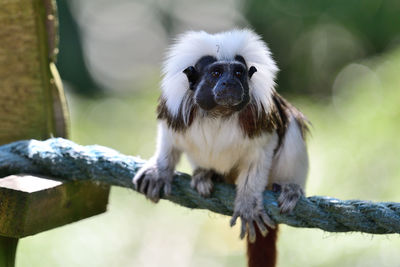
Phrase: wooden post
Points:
(8, 248)
(32, 102)
(32, 105)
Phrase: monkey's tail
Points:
(262, 253)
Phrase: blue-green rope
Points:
(66, 160)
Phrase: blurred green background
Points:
(339, 62)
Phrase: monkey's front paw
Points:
(251, 211)
(290, 194)
(201, 181)
(150, 180)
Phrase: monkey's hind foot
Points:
(251, 212)
(290, 195)
(152, 180)
(202, 181)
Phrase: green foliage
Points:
(71, 63)
(312, 40)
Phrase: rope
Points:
(66, 160)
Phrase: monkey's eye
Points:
(238, 73)
(216, 73)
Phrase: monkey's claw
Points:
(251, 214)
(290, 195)
(151, 181)
(202, 182)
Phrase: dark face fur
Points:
(220, 85)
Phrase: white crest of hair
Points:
(191, 46)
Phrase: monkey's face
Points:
(222, 85)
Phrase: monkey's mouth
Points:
(223, 109)
(228, 101)
(234, 103)
(225, 103)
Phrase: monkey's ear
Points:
(252, 70)
(192, 76)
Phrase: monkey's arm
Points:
(158, 172)
(251, 183)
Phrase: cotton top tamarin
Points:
(219, 107)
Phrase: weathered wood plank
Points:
(31, 204)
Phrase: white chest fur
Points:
(217, 144)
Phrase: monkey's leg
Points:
(289, 172)
(202, 181)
